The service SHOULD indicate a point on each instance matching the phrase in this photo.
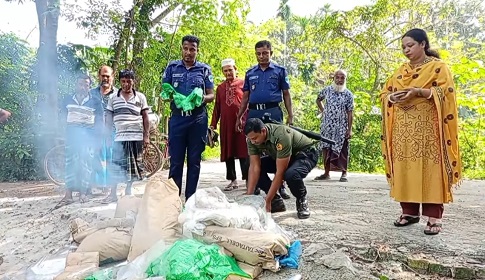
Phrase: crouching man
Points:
(285, 152)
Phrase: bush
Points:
(16, 138)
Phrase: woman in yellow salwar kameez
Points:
(420, 134)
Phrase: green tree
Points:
(45, 72)
(17, 138)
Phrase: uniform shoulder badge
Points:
(279, 147)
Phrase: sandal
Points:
(343, 178)
(83, 198)
(63, 202)
(231, 186)
(430, 231)
(409, 221)
(109, 199)
(322, 177)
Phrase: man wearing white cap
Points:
(227, 104)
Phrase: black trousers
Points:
(231, 168)
(300, 165)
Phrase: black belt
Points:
(263, 106)
(196, 111)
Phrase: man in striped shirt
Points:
(83, 116)
(128, 111)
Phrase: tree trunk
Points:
(46, 74)
(142, 32)
(124, 36)
(139, 15)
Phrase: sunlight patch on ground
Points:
(25, 199)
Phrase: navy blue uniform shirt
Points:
(266, 86)
(185, 80)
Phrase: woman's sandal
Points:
(409, 221)
(322, 177)
(430, 231)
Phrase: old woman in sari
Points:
(420, 134)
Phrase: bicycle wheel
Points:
(165, 164)
(55, 165)
(152, 159)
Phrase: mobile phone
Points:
(399, 94)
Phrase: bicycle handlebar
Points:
(310, 134)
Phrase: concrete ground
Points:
(348, 236)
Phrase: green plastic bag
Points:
(190, 259)
(105, 274)
(185, 103)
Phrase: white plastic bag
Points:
(211, 207)
(209, 198)
(259, 204)
(136, 269)
(49, 266)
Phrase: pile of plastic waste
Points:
(153, 238)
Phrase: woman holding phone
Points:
(420, 134)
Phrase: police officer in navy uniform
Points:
(187, 131)
(265, 86)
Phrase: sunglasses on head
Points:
(127, 73)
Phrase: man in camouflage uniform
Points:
(290, 156)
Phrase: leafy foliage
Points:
(16, 139)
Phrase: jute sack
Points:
(252, 247)
(253, 271)
(80, 229)
(113, 244)
(79, 266)
(157, 217)
(127, 203)
(79, 258)
(77, 272)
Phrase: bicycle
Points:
(153, 159)
(161, 141)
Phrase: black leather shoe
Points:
(302, 208)
(284, 194)
(277, 205)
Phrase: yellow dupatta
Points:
(431, 74)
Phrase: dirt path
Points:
(349, 235)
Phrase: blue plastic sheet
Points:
(292, 260)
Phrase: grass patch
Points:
(211, 153)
